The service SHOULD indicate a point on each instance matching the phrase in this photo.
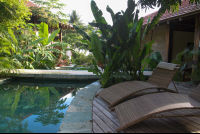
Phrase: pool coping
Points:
(78, 117)
(55, 74)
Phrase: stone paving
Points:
(57, 74)
(78, 118)
(61, 74)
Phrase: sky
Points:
(84, 10)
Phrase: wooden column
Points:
(60, 38)
(196, 40)
(60, 35)
(171, 37)
(35, 22)
(167, 43)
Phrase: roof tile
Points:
(185, 8)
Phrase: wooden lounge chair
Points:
(156, 105)
(160, 79)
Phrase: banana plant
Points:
(185, 57)
(155, 59)
(122, 39)
(42, 51)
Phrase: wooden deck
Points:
(105, 121)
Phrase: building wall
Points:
(180, 41)
(159, 36)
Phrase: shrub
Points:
(81, 59)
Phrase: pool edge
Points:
(78, 117)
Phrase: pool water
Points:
(35, 105)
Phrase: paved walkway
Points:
(37, 71)
(60, 74)
(56, 74)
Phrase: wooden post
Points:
(196, 40)
(60, 34)
(167, 43)
(35, 22)
(171, 34)
(60, 38)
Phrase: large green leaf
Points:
(101, 25)
(111, 13)
(52, 36)
(122, 29)
(143, 54)
(96, 47)
(35, 42)
(157, 56)
(43, 32)
(98, 15)
(80, 31)
(129, 11)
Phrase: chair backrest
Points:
(162, 77)
(196, 94)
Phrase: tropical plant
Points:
(45, 15)
(25, 34)
(75, 41)
(155, 59)
(117, 48)
(42, 51)
(81, 59)
(185, 57)
(8, 50)
(75, 18)
(172, 5)
(13, 13)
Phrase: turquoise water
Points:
(35, 106)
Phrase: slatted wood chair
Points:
(156, 106)
(160, 79)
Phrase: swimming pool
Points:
(35, 105)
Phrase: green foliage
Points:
(13, 13)
(45, 14)
(155, 59)
(185, 57)
(75, 18)
(166, 4)
(117, 49)
(41, 51)
(25, 34)
(81, 59)
(75, 41)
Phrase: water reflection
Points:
(18, 103)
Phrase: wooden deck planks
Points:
(105, 119)
(102, 124)
(96, 128)
(102, 114)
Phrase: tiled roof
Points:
(184, 9)
(31, 4)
